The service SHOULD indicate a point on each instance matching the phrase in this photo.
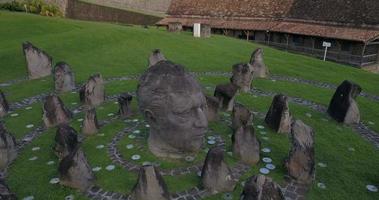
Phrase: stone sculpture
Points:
(241, 116)
(213, 106)
(4, 106)
(150, 185)
(66, 141)
(155, 57)
(226, 94)
(92, 93)
(242, 76)
(75, 172)
(5, 192)
(246, 145)
(258, 66)
(216, 176)
(124, 101)
(176, 112)
(90, 124)
(8, 148)
(301, 161)
(260, 187)
(54, 112)
(63, 77)
(278, 116)
(38, 62)
(343, 107)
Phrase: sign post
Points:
(326, 45)
(196, 30)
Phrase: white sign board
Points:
(326, 44)
(196, 29)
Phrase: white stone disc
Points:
(33, 158)
(69, 197)
(136, 157)
(264, 171)
(267, 160)
(110, 167)
(321, 185)
(211, 142)
(146, 163)
(211, 138)
(137, 131)
(74, 103)
(36, 148)
(351, 149)
(372, 188)
(29, 126)
(14, 114)
(308, 115)
(130, 146)
(189, 158)
(80, 119)
(110, 114)
(147, 126)
(101, 134)
(135, 120)
(265, 138)
(260, 127)
(199, 173)
(371, 123)
(266, 150)
(270, 166)
(96, 169)
(28, 198)
(54, 181)
(131, 136)
(28, 108)
(100, 146)
(228, 196)
(50, 163)
(263, 132)
(116, 102)
(323, 165)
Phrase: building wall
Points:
(62, 4)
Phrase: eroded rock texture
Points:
(241, 116)
(301, 161)
(54, 112)
(92, 93)
(216, 176)
(343, 107)
(226, 94)
(90, 124)
(278, 116)
(63, 78)
(212, 108)
(150, 185)
(124, 101)
(38, 62)
(155, 57)
(175, 27)
(260, 187)
(66, 141)
(5, 192)
(75, 172)
(245, 145)
(8, 148)
(242, 76)
(258, 66)
(4, 106)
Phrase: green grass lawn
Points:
(117, 50)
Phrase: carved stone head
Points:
(173, 104)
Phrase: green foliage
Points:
(32, 6)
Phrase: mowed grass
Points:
(115, 50)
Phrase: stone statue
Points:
(257, 64)
(66, 141)
(90, 125)
(226, 93)
(8, 148)
(155, 57)
(38, 62)
(242, 76)
(278, 116)
(63, 78)
(241, 116)
(213, 107)
(125, 101)
(173, 104)
(92, 93)
(260, 187)
(54, 112)
(246, 145)
(4, 106)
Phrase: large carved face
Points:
(175, 107)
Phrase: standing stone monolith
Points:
(90, 124)
(124, 101)
(8, 148)
(226, 94)
(212, 108)
(92, 93)
(155, 57)
(278, 116)
(216, 176)
(4, 106)
(343, 107)
(54, 112)
(5, 192)
(66, 141)
(75, 172)
(150, 185)
(242, 76)
(63, 78)
(301, 160)
(260, 187)
(241, 116)
(257, 64)
(245, 145)
(38, 62)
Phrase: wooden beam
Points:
(363, 53)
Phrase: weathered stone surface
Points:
(301, 161)
(63, 77)
(66, 141)
(205, 30)
(216, 176)
(245, 145)
(260, 187)
(8, 149)
(92, 93)
(213, 105)
(343, 107)
(278, 116)
(242, 76)
(38, 62)
(175, 27)
(174, 106)
(5, 192)
(257, 64)
(241, 116)
(150, 185)
(54, 112)
(75, 172)
(4, 106)
(124, 101)
(90, 124)
(226, 94)
(155, 57)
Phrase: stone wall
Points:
(62, 4)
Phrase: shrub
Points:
(32, 6)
